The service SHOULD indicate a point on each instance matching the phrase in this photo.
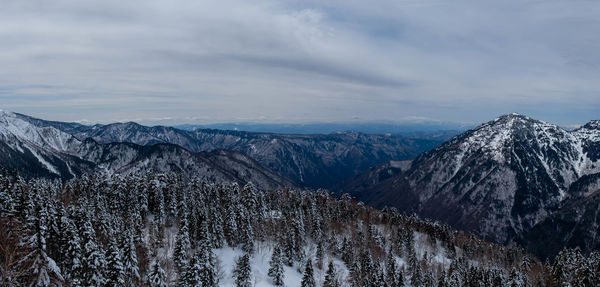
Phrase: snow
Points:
(48, 166)
(260, 267)
(401, 164)
(46, 137)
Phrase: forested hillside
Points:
(157, 230)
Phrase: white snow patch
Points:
(48, 166)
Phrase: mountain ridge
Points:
(43, 150)
(318, 160)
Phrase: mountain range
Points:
(313, 160)
(513, 179)
(38, 150)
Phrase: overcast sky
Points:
(300, 61)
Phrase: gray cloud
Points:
(337, 60)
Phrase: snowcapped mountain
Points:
(37, 151)
(43, 150)
(312, 160)
(498, 180)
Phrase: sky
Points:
(184, 61)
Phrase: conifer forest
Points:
(161, 230)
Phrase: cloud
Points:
(296, 61)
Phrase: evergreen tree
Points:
(276, 266)
(157, 276)
(320, 255)
(442, 280)
(331, 277)
(526, 263)
(193, 272)
(347, 254)
(130, 261)
(391, 270)
(429, 280)
(41, 269)
(400, 278)
(247, 240)
(539, 281)
(94, 262)
(308, 279)
(182, 248)
(115, 273)
(243, 271)
(73, 255)
(208, 268)
(515, 279)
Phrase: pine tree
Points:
(515, 279)
(320, 255)
(539, 281)
(130, 261)
(182, 248)
(230, 227)
(157, 276)
(115, 273)
(429, 280)
(442, 280)
(347, 254)
(94, 262)
(400, 278)
(208, 271)
(308, 279)
(243, 271)
(73, 255)
(391, 270)
(42, 270)
(526, 263)
(416, 278)
(193, 275)
(331, 277)
(247, 240)
(378, 277)
(276, 266)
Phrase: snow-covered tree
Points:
(130, 261)
(276, 271)
(41, 269)
(308, 278)
(331, 277)
(115, 274)
(182, 248)
(243, 271)
(157, 276)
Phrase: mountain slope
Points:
(577, 224)
(498, 180)
(312, 160)
(45, 151)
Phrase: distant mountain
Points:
(37, 149)
(499, 180)
(312, 160)
(422, 130)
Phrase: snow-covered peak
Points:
(515, 139)
(514, 118)
(4, 114)
(505, 129)
(592, 125)
(589, 132)
(19, 133)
